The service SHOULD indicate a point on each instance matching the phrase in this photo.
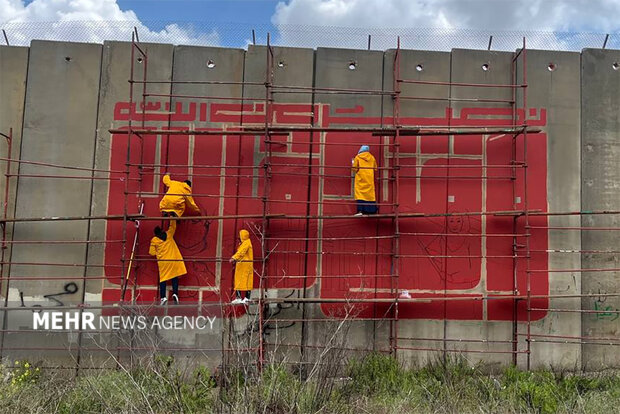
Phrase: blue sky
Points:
(237, 11)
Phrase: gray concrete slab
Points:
(14, 69)
(60, 118)
(425, 66)
(66, 73)
(290, 67)
(489, 68)
(353, 70)
(553, 80)
(115, 73)
(600, 122)
(207, 64)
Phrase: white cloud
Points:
(545, 15)
(443, 24)
(87, 21)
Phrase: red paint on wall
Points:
(440, 256)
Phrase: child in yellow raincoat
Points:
(169, 261)
(244, 268)
(364, 166)
(179, 195)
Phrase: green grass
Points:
(374, 384)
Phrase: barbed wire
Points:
(240, 35)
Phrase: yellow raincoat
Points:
(169, 259)
(244, 268)
(364, 167)
(178, 195)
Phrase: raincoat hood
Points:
(366, 156)
(244, 235)
(364, 148)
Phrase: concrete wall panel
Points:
(115, 73)
(210, 280)
(114, 91)
(14, 70)
(600, 123)
(290, 67)
(488, 68)
(60, 118)
(553, 80)
(424, 66)
(354, 70)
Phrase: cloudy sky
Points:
(222, 22)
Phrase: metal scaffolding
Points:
(385, 309)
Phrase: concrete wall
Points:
(558, 90)
(65, 96)
(60, 116)
(600, 123)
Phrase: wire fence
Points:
(240, 35)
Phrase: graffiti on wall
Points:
(463, 256)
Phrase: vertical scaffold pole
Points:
(266, 195)
(528, 274)
(515, 219)
(127, 167)
(7, 182)
(395, 196)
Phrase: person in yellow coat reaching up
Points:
(178, 196)
(244, 268)
(364, 166)
(169, 261)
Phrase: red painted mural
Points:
(465, 256)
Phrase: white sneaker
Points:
(236, 301)
(245, 300)
(405, 294)
(175, 299)
(163, 301)
(358, 214)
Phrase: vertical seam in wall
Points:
(90, 209)
(581, 217)
(445, 303)
(303, 339)
(238, 178)
(580, 357)
(382, 150)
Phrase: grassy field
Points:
(375, 384)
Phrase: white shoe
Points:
(245, 300)
(405, 294)
(175, 299)
(163, 301)
(236, 301)
(358, 214)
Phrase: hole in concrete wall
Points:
(485, 67)
(210, 64)
(140, 60)
(352, 65)
(551, 67)
(68, 58)
(615, 66)
(281, 64)
(419, 67)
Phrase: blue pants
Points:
(366, 207)
(175, 287)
